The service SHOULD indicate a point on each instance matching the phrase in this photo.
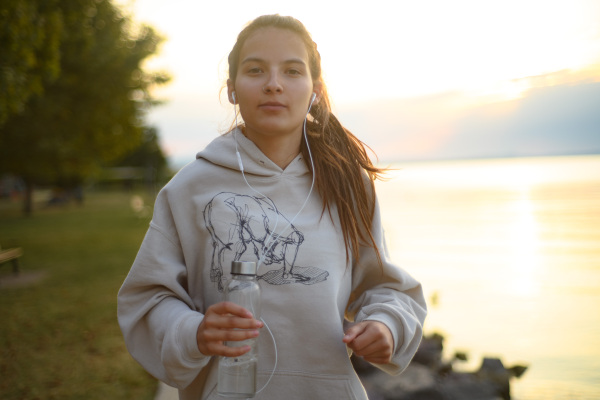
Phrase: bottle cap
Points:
(243, 267)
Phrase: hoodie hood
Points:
(222, 151)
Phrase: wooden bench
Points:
(11, 255)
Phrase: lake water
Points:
(508, 251)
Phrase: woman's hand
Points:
(371, 340)
(224, 322)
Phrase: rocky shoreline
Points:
(430, 377)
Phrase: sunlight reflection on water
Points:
(511, 248)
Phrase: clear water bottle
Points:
(237, 375)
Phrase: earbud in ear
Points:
(233, 97)
(312, 100)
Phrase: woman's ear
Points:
(317, 91)
(231, 92)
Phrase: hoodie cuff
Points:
(187, 337)
(392, 323)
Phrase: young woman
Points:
(292, 190)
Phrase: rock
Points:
(492, 370)
(430, 351)
(461, 356)
(517, 370)
(429, 377)
(467, 386)
(416, 382)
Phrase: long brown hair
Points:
(344, 173)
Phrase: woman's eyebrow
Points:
(294, 61)
(252, 59)
(260, 60)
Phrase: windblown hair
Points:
(344, 173)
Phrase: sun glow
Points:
(524, 258)
(378, 52)
(389, 49)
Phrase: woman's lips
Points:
(272, 105)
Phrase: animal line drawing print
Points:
(242, 225)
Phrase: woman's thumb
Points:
(352, 332)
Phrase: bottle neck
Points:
(241, 277)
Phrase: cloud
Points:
(551, 120)
(558, 115)
(589, 74)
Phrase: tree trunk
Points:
(28, 199)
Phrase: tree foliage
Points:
(30, 33)
(148, 156)
(93, 111)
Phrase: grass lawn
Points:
(59, 338)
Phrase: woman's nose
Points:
(273, 84)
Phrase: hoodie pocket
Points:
(302, 386)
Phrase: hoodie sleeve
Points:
(389, 295)
(156, 314)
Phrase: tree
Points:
(148, 157)
(30, 33)
(93, 112)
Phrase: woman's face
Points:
(273, 85)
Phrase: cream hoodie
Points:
(207, 216)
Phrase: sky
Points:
(414, 80)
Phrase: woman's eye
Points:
(254, 70)
(293, 72)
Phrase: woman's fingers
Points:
(229, 335)
(376, 352)
(226, 322)
(227, 315)
(220, 349)
(227, 351)
(227, 307)
(371, 340)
